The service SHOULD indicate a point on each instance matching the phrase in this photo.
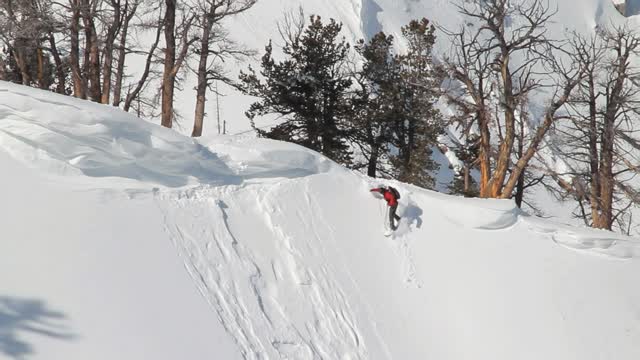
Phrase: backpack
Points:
(395, 192)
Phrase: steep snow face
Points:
(87, 275)
(283, 252)
(631, 7)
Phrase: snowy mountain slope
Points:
(101, 212)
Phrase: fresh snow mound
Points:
(66, 136)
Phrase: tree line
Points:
(527, 109)
(379, 115)
(82, 47)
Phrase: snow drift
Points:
(122, 239)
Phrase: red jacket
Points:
(388, 195)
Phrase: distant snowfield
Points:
(122, 239)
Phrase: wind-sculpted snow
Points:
(479, 214)
(254, 159)
(591, 241)
(69, 136)
(284, 253)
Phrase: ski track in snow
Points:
(250, 305)
(324, 290)
(331, 238)
(400, 240)
(211, 256)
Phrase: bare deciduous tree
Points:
(215, 46)
(60, 67)
(173, 61)
(600, 145)
(497, 57)
(78, 78)
(135, 93)
(88, 14)
(114, 22)
(129, 11)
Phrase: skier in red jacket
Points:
(391, 195)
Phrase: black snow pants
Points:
(393, 216)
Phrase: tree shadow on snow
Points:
(22, 317)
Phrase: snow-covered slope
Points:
(122, 239)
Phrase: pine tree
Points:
(308, 88)
(394, 115)
(373, 102)
(418, 122)
(467, 152)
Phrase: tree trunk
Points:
(3, 76)
(18, 55)
(201, 89)
(605, 214)
(373, 160)
(605, 203)
(168, 77)
(107, 65)
(506, 148)
(403, 174)
(60, 75)
(519, 196)
(94, 68)
(42, 82)
(466, 179)
(79, 88)
(122, 53)
(409, 153)
(93, 53)
(484, 156)
(594, 168)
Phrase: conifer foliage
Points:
(373, 101)
(419, 123)
(308, 88)
(394, 114)
(379, 116)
